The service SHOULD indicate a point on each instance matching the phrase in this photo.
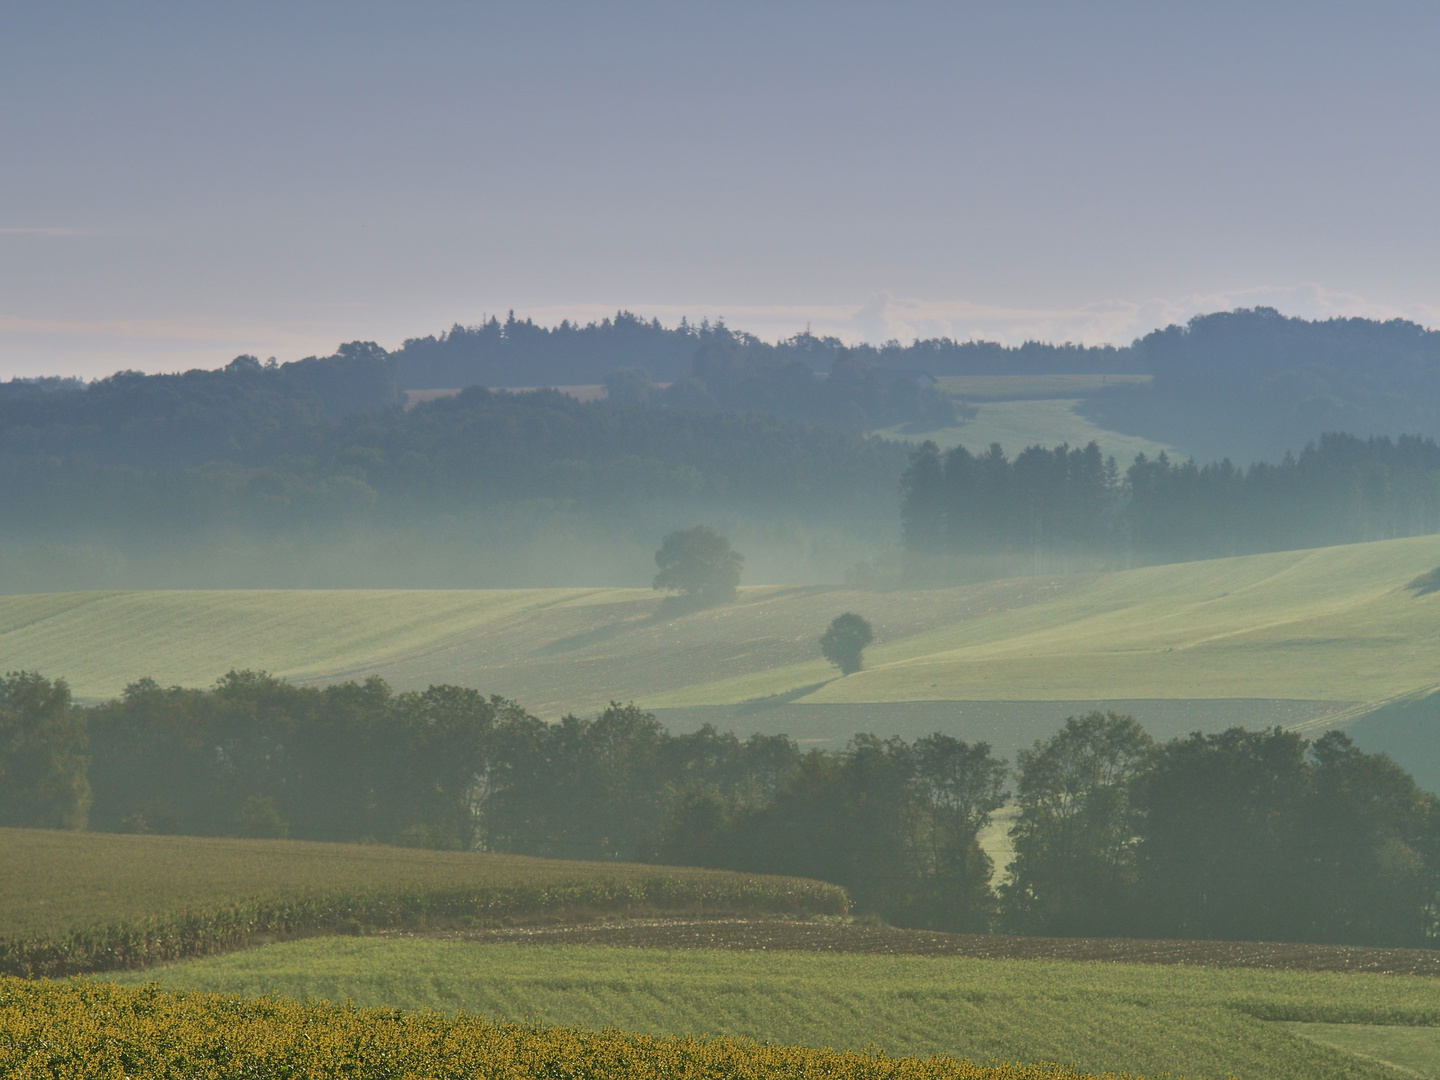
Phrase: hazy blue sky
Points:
(179, 183)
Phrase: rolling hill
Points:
(1301, 637)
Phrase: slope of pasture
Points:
(100, 641)
(1330, 625)
(1152, 1020)
(552, 649)
(1327, 624)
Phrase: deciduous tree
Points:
(1075, 839)
(44, 780)
(845, 640)
(700, 563)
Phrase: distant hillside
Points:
(245, 408)
(1254, 384)
(311, 473)
(230, 478)
(1245, 384)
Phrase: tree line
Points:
(740, 373)
(1055, 504)
(245, 411)
(266, 438)
(1237, 835)
(519, 352)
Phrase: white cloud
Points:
(874, 321)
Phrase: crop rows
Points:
(161, 937)
(75, 1031)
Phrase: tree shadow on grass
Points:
(755, 705)
(1426, 583)
(671, 607)
(585, 638)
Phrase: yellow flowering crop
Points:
(84, 1030)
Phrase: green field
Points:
(1200, 1022)
(1331, 624)
(1412, 1049)
(1017, 411)
(77, 901)
(1289, 637)
(1017, 387)
(1044, 422)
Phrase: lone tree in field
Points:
(700, 563)
(845, 639)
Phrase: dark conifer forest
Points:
(1069, 504)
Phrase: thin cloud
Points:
(144, 329)
(42, 230)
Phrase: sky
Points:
(181, 183)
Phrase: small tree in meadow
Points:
(845, 639)
(700, 563)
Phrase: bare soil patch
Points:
(854, 937)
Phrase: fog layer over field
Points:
(315, 472)
(535, 546)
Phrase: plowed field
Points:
(836, 936)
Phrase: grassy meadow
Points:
(1044, 421)
(1041, 387)
(1146, 1019)
(1330, 625)
(1017, 411)
(87, 901)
